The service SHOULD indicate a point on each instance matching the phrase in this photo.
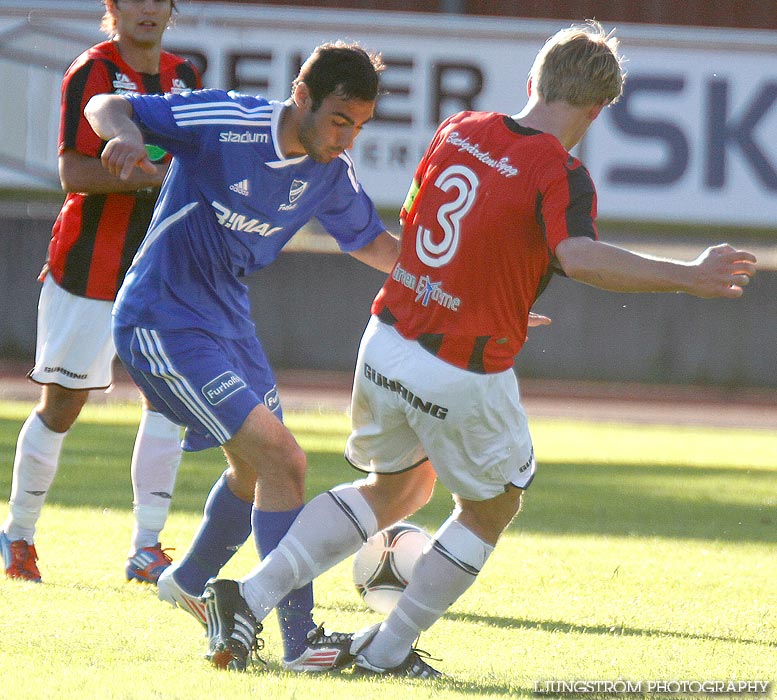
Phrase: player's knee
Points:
(297, 462)
(425, 486)
(59, 411)
(489, 518)
(397, 496)
(415, 496)
(285, 472)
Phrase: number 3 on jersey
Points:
(449, 216)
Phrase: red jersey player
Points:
(497, 199)
(99, 228)
(497, 205)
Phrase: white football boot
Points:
(169, 591)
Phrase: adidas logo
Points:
(241, 188)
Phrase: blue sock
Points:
(225, 526)
(295, 613)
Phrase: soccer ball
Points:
(383, 565)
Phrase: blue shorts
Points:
(207, 384)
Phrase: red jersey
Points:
(490, 202)
(95, 236)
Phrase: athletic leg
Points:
(295, 611)
(155, 460)
(37, 456)
(269, 450)
(225, 526)
(331, 527)
(263, 444)
(36, 461)
(448, 567)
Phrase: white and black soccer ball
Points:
(383, 565)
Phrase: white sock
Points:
(155, 460)
(34, 468)
(447, 568)
(328, 529)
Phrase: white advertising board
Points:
(692, 140)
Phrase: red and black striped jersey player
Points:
(497, 205)
(100, 226)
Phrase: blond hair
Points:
(580, 66)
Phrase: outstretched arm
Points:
(381, 253)
(111, 119)
(719, 271)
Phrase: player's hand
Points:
(538, 320)
(122, 155)
(722, 271)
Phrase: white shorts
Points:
(74, 346)
(408, 406)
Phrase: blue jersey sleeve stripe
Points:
(180, 113)
(234, 106)
(235, 113)
(221, 120)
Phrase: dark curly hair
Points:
(340, 68)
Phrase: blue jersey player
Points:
(246, 174)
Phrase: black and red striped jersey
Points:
(490, 202)
(95, 236)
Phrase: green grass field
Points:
(643, 553)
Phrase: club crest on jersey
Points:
(235, 221)
(122, 84)
(296, 190)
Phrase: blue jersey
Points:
(230, 202)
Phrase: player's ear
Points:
(528, 87)
(301, 95)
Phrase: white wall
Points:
(691, 142)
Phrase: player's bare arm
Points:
(82, 173)
(719, 271)
(381, 253)
(111, 118)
